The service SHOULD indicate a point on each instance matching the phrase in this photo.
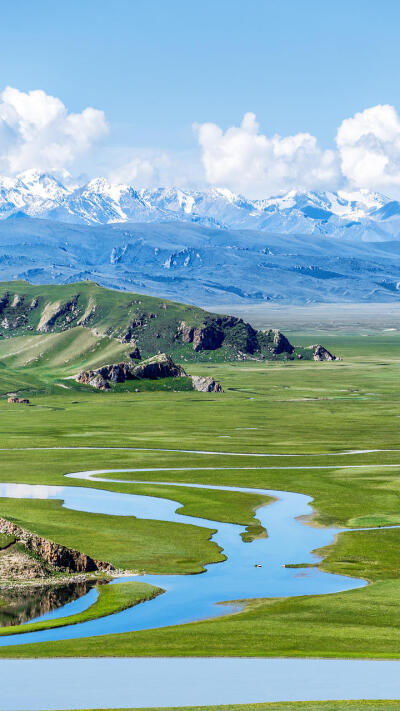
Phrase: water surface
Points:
(252, 570)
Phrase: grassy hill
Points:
(51, 332)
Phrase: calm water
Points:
(27, 604)
(141, 683)
(194, 597)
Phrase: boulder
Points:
(206, 384)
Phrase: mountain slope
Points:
(201, 265)
(84, 325)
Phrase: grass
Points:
(84, 325)
(128, 543)
(111, 599)
(6, 540)
(282, 408)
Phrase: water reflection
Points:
(25, 604)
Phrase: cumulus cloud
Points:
(369, 148)
(37, 131)
(246, 160)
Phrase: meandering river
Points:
(251, 570)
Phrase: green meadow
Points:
(309, 409)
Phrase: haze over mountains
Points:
(205, 247)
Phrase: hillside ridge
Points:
(139, 326)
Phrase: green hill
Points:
(61, 329)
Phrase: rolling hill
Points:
(65, 328)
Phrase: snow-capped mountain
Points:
(360, 215)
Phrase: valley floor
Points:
(315, 411)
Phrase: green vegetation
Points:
(112, 599)
(128, 543)
(6, 540)
(49, 333)
(283, 408)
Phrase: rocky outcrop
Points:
(17, 301)
(320, 353)
(185, 332)
(4, 300)
(54, 311)
(88, 314)
(135, 352)
(207, 338)
(137, 322)
(116, 373)
(239, 337)
(280, 343)
(159, 366)
(58, 556)
(206, 384)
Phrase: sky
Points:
(258, 96)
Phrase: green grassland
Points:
(285, 408)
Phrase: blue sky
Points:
(155, 68)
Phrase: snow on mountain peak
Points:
(100, 202)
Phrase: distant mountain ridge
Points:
(201, 265)
(356, 215)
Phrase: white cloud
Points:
(37, 131)
(147, 168)
(248, 161)
(141, 171)
(369, 148)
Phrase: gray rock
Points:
(159, 366)
(206, 384)
(320, 353)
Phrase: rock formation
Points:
(56, 555)
(320, 353)
(280, 343)
(159, 366)
(206, 384)
(53, 311)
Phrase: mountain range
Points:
(206, 248)
(359, 215)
